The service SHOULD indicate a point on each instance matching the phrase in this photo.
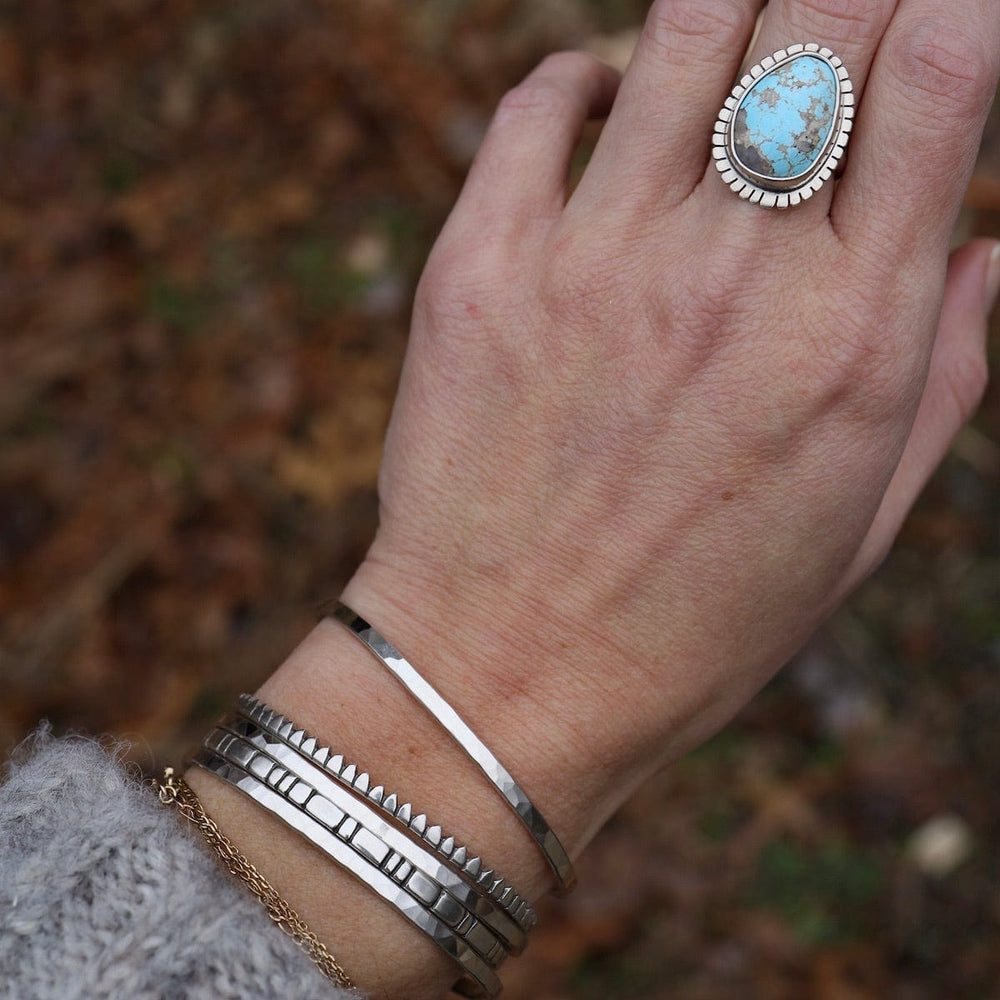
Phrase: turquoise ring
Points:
(784, 128)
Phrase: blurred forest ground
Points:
(212, 218)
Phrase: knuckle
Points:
(539, 96)
(570, 64)
(862, 361)
(848, 18)
(453, 283)
(570, 287)
(706, 301)
(950, 67)
(583, 277)
(854, 356)
(859, 353)
(715, 20)
(558, 85)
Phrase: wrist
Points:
(334, 687)
(506, 669)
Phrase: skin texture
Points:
(647, 436)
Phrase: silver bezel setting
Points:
(770, 192)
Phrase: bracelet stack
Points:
(471, 912)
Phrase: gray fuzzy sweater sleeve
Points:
(105, 894)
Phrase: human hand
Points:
(649, 437)
(646, 437)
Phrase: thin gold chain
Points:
(177, 792)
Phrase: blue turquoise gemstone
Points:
(784, 120)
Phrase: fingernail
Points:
(993, 279)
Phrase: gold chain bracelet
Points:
(177, 792)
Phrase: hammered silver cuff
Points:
(501, 779)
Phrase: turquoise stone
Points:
(784, 120)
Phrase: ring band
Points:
(784, 128)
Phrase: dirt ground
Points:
(212, 219)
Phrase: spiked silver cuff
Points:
(349, 775)
(469, 911)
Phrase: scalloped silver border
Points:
(762, 191)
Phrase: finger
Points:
(655, 145)
(519, 175)
(955, 384)
(919, 126)
(852, 29)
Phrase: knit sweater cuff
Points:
(105, 894)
